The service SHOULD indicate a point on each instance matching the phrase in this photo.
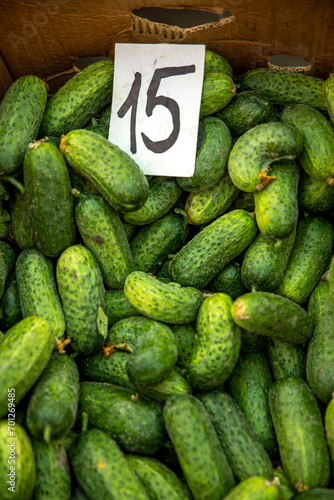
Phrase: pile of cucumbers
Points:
(168, 338)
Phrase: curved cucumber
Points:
(218, 89)
(315, 196)
(286, 360)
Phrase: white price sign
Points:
(155, 105)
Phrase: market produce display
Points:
(168, 338)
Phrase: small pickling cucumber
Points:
(216, 62)
(7, 262)
(255, 488)
(244, 201)
(99, 129)
(315, 196)
(20, 222)
(229, 281)
(118, 306)
(286, 360)
(218, 89)
(10, 307)
(185, 336)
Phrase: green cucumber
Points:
(276, 205)
(37, 289)
(102, 232)
(103, 117)
(229, 281)
(217, 344)
(136, 423)
(249, 384)
(102, 469)
(329, 427)
(245, 110)
(286, 360)
(218, 89)
(53, 478)
(118, 306)
(164, 193)
(25, 352)
(318, 138)
(253, 153)
(185, 336)
(284, 486)
(216, 62)
(174, 383)
(21, 113)
(244, 201)
(53, 404)
(243, 449)
(328, 90)
(207, 253)
(320, 352)
(17, 462)
(285, 87)
(300, 433)
(99, 129)
(82, 294)
(214, 144)
(169, 303)
(255, 488)
(20, 222)
(10, 307)
(315, 196)
(79, 99)
(202, 459)
(251, 342)
(316, 494)
(49, 199)
(7, 262)
(124, 185)
(276, 317)
(308, 259)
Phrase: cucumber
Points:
(245, 201)
(185, 336)
(7, 262)
(218, 89)
(82, 294)
(229, 281)
(21, 113)
(254, 488)
(216, 62)
(10, 307)
(285, 87)
(25, 352)
(217, 344)
(286, 360)
(118, 306)
(17, 461)
(328, 90)
(245, 110)
(207, 253)
(53, 478)
(154, 242)
(53, 404)
(102, 232)
(174, 383)
(99, 129)
(214, 143)
(329, 428)
(37, 289)
(251, 342)
(20, 222)
(300, 433)
(284, 487)
(103, 117)
(253, 153)
(249, 384)
(320, 352)
(276, 206)
(102, 469)
(315, 196)
(136, 423)
(318, 138)
(202, 459)
(308, 259)
(79, 99)
(243, 449)
(169, 303)
(51, 210)
(316, 494)
(276, 317)
(164, 193)
(124, 186)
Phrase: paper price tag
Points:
(155, 106)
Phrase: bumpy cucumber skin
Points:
(103, 117)
(37, 289)
(217, 345)
(118, 306)
(264, 263)
(315, 196)
(25, 352)
(218, 89)
(243, 449)
(21, 113)
(159, 481)
(257, 149)
(102, 469)
(300, 433)
(254, 488)
(10, 307)
(154, 242)
(124, 185)
(213, 248)
(164, 193)
(54, 400)
(329, 428)
(81, 291)
(163, 302)
(102, 232)
(185, 337)
(320, 351)
(216, 62)
(245, 110)
(277, 317)
(318, 138)
(284, 487)
(214, 143)
(308, 258)
(208, 204)
(286, 360)
(200, 455)
(136, 424)
(249, 384)
(7, 261)
(79, 99)
(276, 205)
(20, 222)
(285, 87)
(49, 199)
(229, 281)
(53, 478)
(23, 463)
